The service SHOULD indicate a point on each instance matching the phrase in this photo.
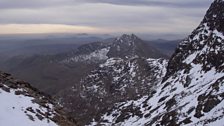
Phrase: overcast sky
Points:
(101, 16)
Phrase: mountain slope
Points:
(113, 81)
(125, 71)
(22, 105)
(192, 91)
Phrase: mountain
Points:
(124, 47)
(192, 91)
(94, 76)
(128, 46)
(125, 71)
(63, 70)
(23, 105)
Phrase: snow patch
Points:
(97, 55)
(13, 107)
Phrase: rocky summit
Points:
(128, 46)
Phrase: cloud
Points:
(164, 3)
(15, 4)
(45, 28)
(110, 16)
(51, 3)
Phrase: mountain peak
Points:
(126, 37)
(128, 46)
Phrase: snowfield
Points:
(14, 112)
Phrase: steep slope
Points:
(22, 105)
(113, 81)
(192, 91)
(95, 52)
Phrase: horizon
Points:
(146, 37)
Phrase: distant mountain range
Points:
(167, 47)
(21, 46)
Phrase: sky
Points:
(101, 16)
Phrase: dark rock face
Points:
(47, 108)
(191, 91)
(214, 16)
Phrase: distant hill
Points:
(165, 46)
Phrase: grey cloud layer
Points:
(50, 3)
(132, 15)
(168, 3)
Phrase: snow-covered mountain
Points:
(192, 91)
(22, 105)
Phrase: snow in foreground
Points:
(13, 111)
